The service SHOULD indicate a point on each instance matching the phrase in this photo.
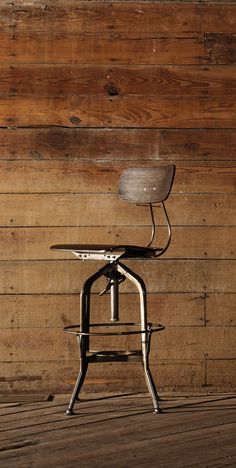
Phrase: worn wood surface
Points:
(106, 210)
(84, 95)
(161, 276)
(132, 145)
(73, 176)
(190, 342)
(116, 80)
(122, 111)
(146, 18)
(32, 243)
(122, 431)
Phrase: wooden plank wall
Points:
(87, 89)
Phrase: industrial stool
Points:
(145, 187)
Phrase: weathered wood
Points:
(220, 48)
(59, 376)
(92, 411)
(187, 242)
(67, 276)
(107, 210)
(194, 343)
(118, 403)
(191, 342)
(73, 176)
(202, 426)
(220, 310)
(221, 372)
(69, 79)
(144, 93)
(57, 47)
(151, 111)
(198, 144)
(130, 144)
(51, 311)
(146, 19)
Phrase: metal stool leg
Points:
(79, 382)
(139, 283)
(83, 340)
(149, 379)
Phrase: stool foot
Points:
(69, 412)
(157, 411)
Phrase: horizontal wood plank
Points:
(73, 176)
(203, 426)
(104, 48)
(51, 311)
(174, 309)
(131, 144)
(67, 276)
(59, 376)
(196, 343)
(120, 111)
(68, 79)
(106, 210)
(192, 343)
(187, 242)
(146, 18)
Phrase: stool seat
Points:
(108, 252)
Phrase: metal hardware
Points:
(151, 328)
(108, 256)
(158, 251)
(114, 278)
(153, 226)
(83, 331)
(107, 288)
(169, 231)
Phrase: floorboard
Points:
(119, 431)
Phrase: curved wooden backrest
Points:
(146, 185)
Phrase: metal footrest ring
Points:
(151, 328)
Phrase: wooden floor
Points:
(119, 431)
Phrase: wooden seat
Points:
(108, 252)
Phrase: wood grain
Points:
(58, 47)
(146, 19)
(76, 177)
(206, 242)
(120, 111)
(202, 425)
(192, 343)
(57, 311)
(220, 310)
(221, 371)
(220, 48)
(107, 210)
(67, 276)
(116, 80)
(130, 144)
(86, 89)
(47, 374)
(195, 343)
